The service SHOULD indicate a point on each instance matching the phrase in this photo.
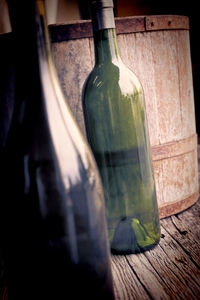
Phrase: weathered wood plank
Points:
(144, 60)
(158, 174)
(126, 283)
(179, 263)
(72, 71)
(166, 84)
(148, 276)
(166, 272)
(185, 83)
(189, 221)
(183, 234)
(92, 55)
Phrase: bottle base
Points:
(132, 236)
(135, 251)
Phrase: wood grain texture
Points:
(166, 83)
(123, 275)
(178, 177)
(161, 60)
(185, 83)
(72, 71)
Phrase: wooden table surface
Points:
(169, 271)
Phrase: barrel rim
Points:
(178, 206)
(133, 24)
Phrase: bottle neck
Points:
(105, 46)
(103, 24)
(104, 32)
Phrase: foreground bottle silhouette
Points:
(55, 238)
(116, 127)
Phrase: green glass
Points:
(116, 126)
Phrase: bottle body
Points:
(57, 222)
(117, 131)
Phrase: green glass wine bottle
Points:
(116, 126)
(52, 207)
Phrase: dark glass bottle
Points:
(116, 126)
(53, 216)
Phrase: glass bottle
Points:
(116, 126)
(55, 234)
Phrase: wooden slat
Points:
(146, 75)
(73, 70)
(184, 235)
(166, 82)
(124, 277)
(185, 83)
(148, 276)
(188, 221)
(175, 267)
(158, 174)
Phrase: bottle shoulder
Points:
(113, 75)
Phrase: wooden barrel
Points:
(157, 49)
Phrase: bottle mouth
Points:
(102, 14)
(99, 4)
